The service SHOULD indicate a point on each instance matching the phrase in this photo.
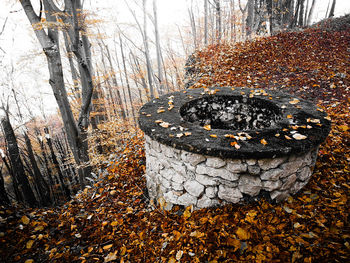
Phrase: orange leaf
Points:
(263, 141)
(207, 127)
(242, 234)
(106, 247)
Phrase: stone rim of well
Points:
(301, 126)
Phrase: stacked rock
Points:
(186, 178)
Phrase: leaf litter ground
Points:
(112, 221)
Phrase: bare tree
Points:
(16, 161)
(158, 49)
(49, 41)
(331, 11)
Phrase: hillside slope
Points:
(113, 221)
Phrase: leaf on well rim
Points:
(207, 127)
(263, 141)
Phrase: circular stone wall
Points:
(229, 145)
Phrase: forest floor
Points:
(112, 221)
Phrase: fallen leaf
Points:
(179, 135)
(29, 244)
(207, 127)
(110, 257)
(165, 124)
(294, 101)
(299, 136)
(179, 254)
(242, 234)
(213, 135)
(263, 141)
(106, 247)
(25, 220)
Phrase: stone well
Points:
(207, 147)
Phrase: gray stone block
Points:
(186, 200)
(206, 180)
(194, 188)
(271, 185)
(250, 185)
(215, 162)
(272, 175)
(304, 173)
(270, 163)
(288, 182)
(211, 191)
(229, 194)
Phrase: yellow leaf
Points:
(25, 220)
(106, 247)
(197, 234)
(287, 137)
(114, 223)
(207, 127)
(129, 210)
(172, 260)
(263, 141)
(29, 244)
(38, 228)
(289, 116)
(343, 128)
(29, 261)
(242, 234)
(187, 133)
(122, 250)
(213, 135)
(160, 110)
(294, 101)
(187, 214)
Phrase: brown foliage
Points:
(113, 221)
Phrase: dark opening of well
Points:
(231, 112)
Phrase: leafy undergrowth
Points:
(113, 221)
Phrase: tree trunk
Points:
(158, 49)
(250, 18)
(76, 134)
(65, 189)
(16, 162)
(115, 83)
(18, 194)
(218, 20)
(4, 200)
(331, 12)
(43, 188)
(206, 22)
(127, 81)
(311, 12)
(145, 42)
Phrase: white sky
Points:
(22, 48)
